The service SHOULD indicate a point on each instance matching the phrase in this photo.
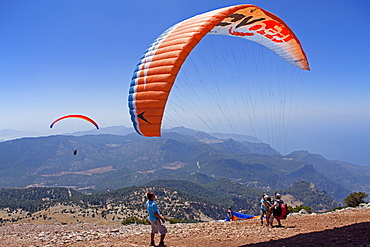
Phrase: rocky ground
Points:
(346, 227)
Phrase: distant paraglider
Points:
(76, 116)
(157, 69)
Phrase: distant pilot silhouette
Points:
(74, 152)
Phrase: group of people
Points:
(271, 209)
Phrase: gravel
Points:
(346, 227)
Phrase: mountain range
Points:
(111, 161)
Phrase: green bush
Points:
(354, 199)
(175, 221)
(296, 209)
(135, 220)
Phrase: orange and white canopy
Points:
(158, 67)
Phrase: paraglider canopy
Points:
(76, 116)
(157, 69)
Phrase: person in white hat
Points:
(265, 208)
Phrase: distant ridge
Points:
(9, 134)
(113, 130)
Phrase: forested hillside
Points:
(179, 199)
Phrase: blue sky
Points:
(64, 57)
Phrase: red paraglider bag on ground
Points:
(284, 212)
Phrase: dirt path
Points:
(349, 227)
